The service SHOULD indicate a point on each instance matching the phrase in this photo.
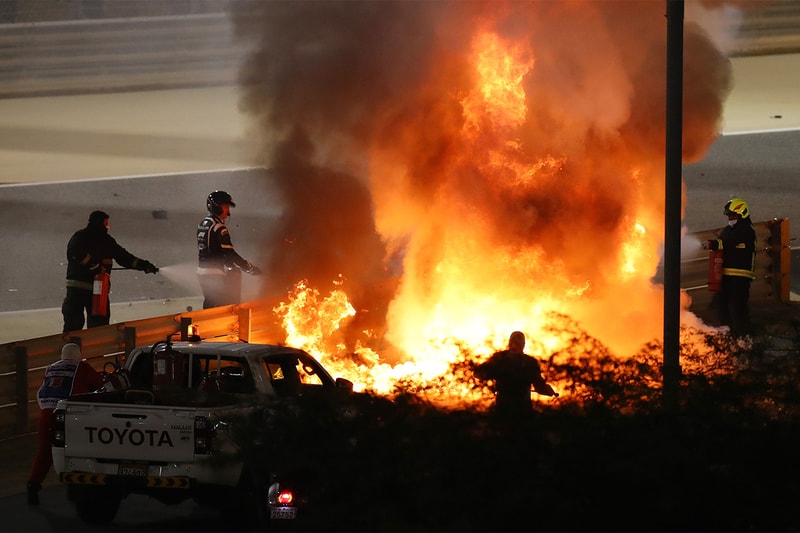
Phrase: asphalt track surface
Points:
(150, 158)
(137, 513)
(156, 206)
(155, 217)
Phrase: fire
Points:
(310, 321)
(499, 96)
(459, 300)
(512, 158)
(632, 250)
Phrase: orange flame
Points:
(310, 321)
(499, 96)
(467, 284)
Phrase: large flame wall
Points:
(502, 160)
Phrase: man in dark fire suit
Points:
(738, 244)
(514, 372)
(90, 251)
(219, 266)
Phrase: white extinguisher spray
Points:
(100, 293)
(715, 270)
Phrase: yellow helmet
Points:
(737, 206)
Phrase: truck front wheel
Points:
(95, 505)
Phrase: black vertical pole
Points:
(21, 363)
(130, 339)
(672, 207)
(185, 323)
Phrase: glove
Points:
(252, 269)
(148, 267)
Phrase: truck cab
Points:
(236, 368)
(168, 432)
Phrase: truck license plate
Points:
(133, 470)
(283, 513)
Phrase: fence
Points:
(52, 47)
(22, 363)
(771, 28)
(120, 54)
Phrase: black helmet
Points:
(217, 199)
(97, 219)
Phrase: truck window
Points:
(142, 371)
(284, 377)
(308, 375)
(288, 375)
(223, 374)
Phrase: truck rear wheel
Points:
(95, 505)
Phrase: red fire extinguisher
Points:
(715, 270)
(100, 293)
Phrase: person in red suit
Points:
(67, 376)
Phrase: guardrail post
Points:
(21, 363)
(130, 339)
(780, 254)
(245, 318)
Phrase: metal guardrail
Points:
(770, 28)
(75, 57)
(22, 363)
(162, 45)
(15, 11)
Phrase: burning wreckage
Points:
(500, 162)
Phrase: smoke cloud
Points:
(393, 159)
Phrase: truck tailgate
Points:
(133, 432)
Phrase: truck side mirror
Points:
(345, 384)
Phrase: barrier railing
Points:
(138, 50)
(22, 363)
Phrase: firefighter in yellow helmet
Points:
(737, 241)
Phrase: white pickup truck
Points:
(168, 433)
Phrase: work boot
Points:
(33, 493)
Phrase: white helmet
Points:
(71, 351)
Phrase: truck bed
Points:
(180, 398)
